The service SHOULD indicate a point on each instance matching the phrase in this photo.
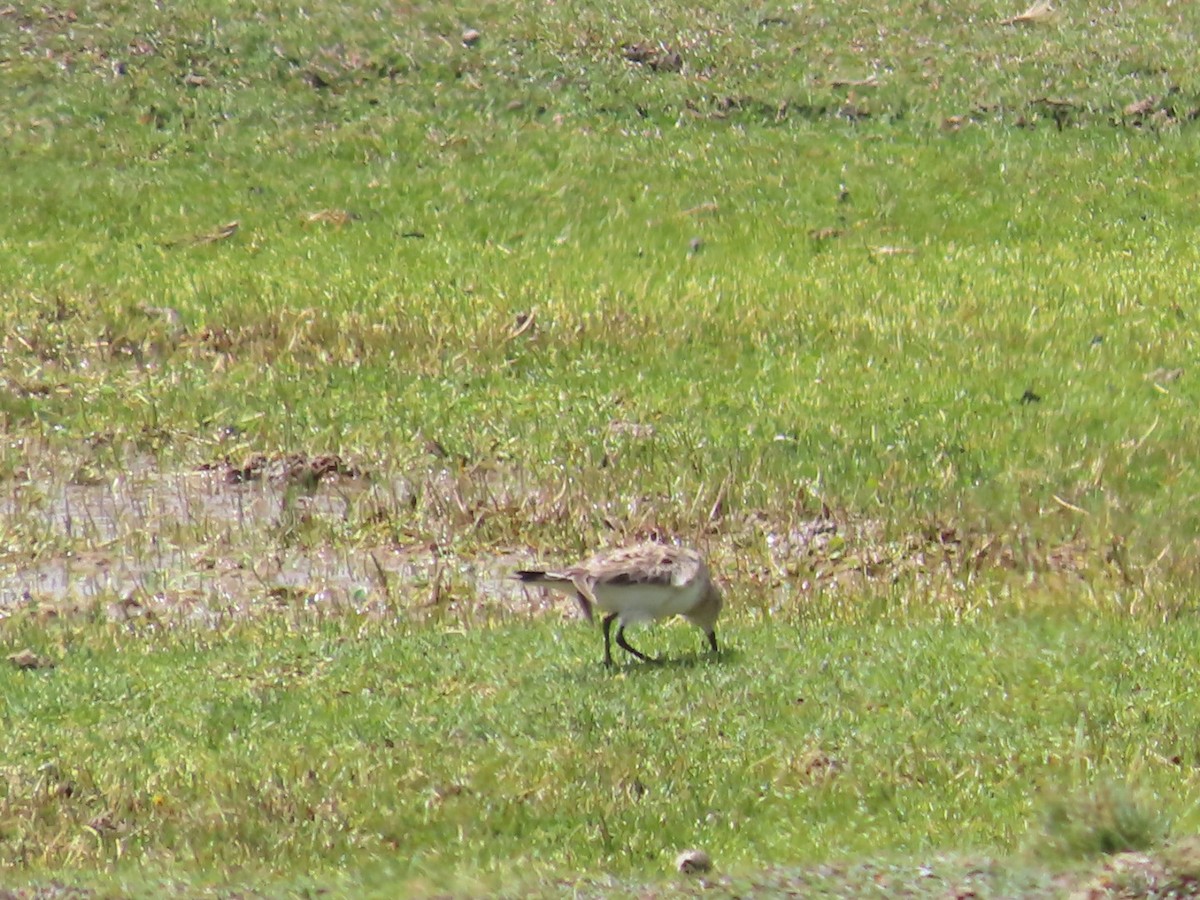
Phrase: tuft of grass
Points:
(1103, 820)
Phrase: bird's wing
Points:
(646, 564)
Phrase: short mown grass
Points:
(887, 307)
(267, 752)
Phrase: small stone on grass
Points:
(693, 862)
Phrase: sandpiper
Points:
(640, 583)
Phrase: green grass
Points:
(267, 753)
(896, 379)
(888, 307)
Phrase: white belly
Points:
(645, 602)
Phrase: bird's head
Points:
(704, 614)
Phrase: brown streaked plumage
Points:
(640, 583)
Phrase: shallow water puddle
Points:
(193, 543)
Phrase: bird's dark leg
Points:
(624, 645)
(712, 641)
(608, 620)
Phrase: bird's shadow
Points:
(701, 659)
(631, 667)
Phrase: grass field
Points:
(318, 319)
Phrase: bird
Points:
(640, 583)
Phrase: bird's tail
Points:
(560, 582)
(539, 576)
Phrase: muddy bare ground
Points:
(229, 539)
(297, 532)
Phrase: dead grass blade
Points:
(1066, 504)
(337, 217)
(1041, 11)
(869, 82)
(225, 231)
(524, 322)
(891, 251)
